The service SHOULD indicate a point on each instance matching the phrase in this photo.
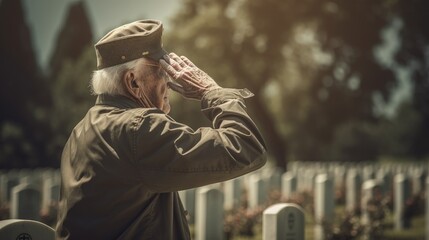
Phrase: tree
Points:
(23, 92)
(71, 100)
(71, 66)
(413, 54)
(310, 63)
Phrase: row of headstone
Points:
(361, 184)
(258, 186)
(306, 173)
(372, 188)
(280, 221)
(364, 184)
(27, 192)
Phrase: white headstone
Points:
(26, 202)
(188, 200)
(418, 181)
(369, 188)
(3, 188)
(310, 178)
(209, 214)
(283, 221)
(232, 193)
(25, 230)
(8, 181)
(289, 185)
(368, 173)
(324, 204)
(275, 180)
(301, 181)
(51, 191)
(402, 193)
(257, 190)
(353, 190)
(340, 176)
(384, 178)
(427, 208)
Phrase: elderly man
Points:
(125, 161)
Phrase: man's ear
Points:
(131, 85)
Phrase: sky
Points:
(45, 18)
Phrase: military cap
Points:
(129, 42)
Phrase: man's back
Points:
(106, 198)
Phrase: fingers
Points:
(176, 87)
(176, 63)
(182, 60)
(166, 58)
(177, 59)
(187, 61)
(168, 68)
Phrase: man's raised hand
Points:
(189, 80)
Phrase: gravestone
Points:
(369, 191)
(402, 193)
(353, 190)
(257, 190)
(427, 208)
(301, 181)
(51, 192)
(368, 173)
(283, 221)
(275, 179)
(310, 177)
(323, 204)
(289, 185)
(340, 176)
(209, 214)
(188, 200)
(3, 188)
(25, 230)
(384, 178)
(418, 181)
(232, 193)
(26, 202)
(8, 181)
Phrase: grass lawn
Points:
(416, 232)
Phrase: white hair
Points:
(108, 80)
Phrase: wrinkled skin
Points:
(189, 80)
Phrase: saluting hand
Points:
(190, 81)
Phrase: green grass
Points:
(416, 232)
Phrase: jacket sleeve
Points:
(170, 156)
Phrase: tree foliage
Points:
(323, 73)
(39, 111)
(312, 65)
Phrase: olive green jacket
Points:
(123, 165)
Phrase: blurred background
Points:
(334, 80)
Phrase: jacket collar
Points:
(118, 101)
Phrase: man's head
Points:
(127, 62)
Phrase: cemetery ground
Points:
(373, 213)
(329, 201)
(416, 232)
